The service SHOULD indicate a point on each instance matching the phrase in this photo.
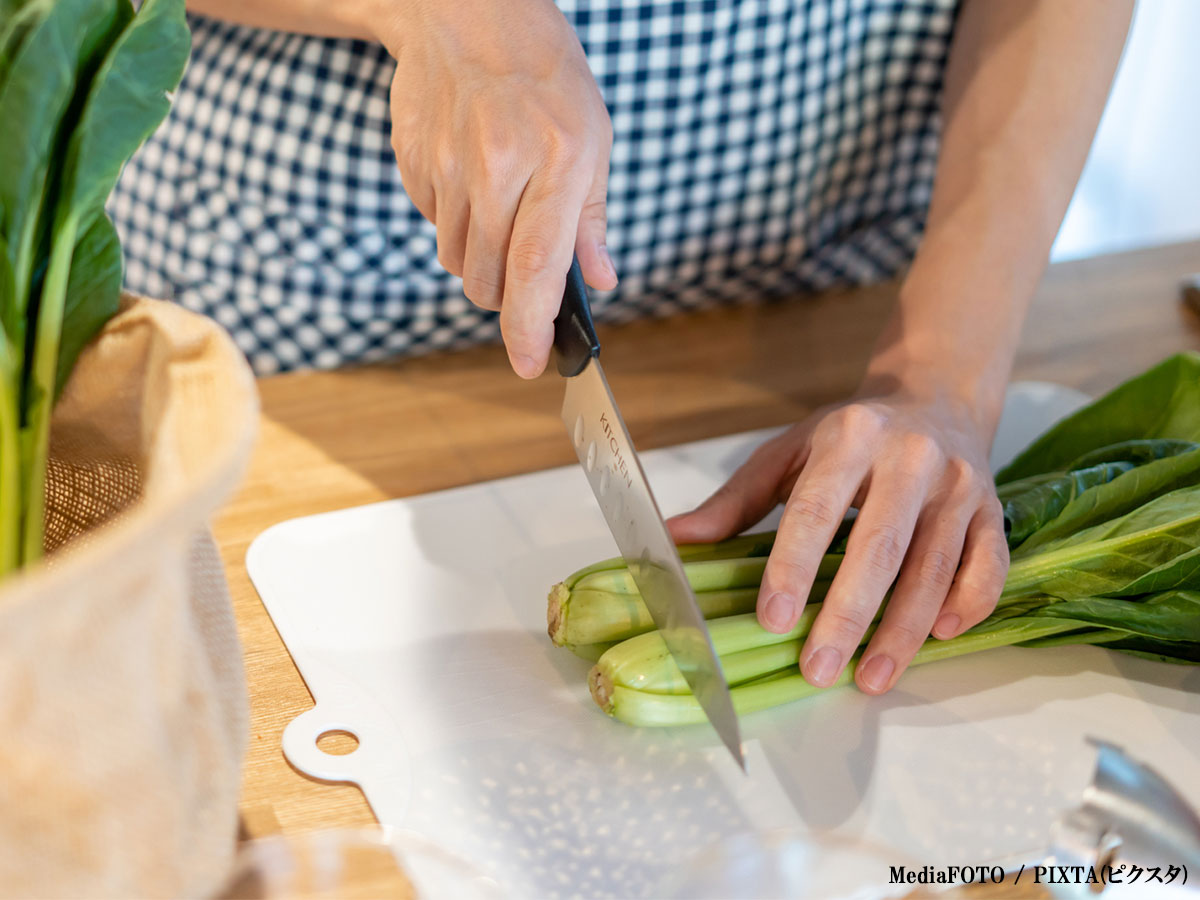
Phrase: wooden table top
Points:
(331, 440)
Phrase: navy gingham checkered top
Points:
(761, 148)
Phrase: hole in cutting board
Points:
(337, 742)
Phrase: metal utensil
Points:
(1130, 814)
(606, 452)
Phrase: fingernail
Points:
(526, 366)
(877, 672)
(608, 262)
(823, 667)
(946, 626)
(778, 612)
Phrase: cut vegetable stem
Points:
(646, 708)
(604, 604)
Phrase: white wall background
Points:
(1141, 184)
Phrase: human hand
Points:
(915, 466)
(503, 142)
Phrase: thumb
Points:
(590, 247)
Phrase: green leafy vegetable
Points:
(1163, 402)
(1123, 494)
(93, 292)
(82, 84)
(1025, 513)
(1103, 513)
(1166, 616)
(1136, 452)
(1107, 559)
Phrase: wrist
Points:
(953, 335)
(969, 389)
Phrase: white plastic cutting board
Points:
(419, 626)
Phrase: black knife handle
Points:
(574, 333)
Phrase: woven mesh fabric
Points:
(87, 485)
(121, 691)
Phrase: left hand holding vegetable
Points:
(1102, 519)
(910, 449)
(914, 462)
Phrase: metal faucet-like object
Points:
(1130, 815)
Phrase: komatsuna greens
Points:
(1103, 519)
(82, 84)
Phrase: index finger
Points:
(819, 500)
(539, 256)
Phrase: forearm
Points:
(1026, 83)
(326, 18)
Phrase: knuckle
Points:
(906, 634)
(996, 561)
(849, 626)
(496, 164)
(937, 568)
(884, 549)
(446, 160)
(529, 258)
(961, 473)
(595, 213)
(963, 485)
(978, 590)
(519, 340)
(861, 419)
(562, 146)
(792, 571)
(977, 599)
(483, 290)
(922, 451)
(814, 512)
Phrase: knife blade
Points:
(611, 463)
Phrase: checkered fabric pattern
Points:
(761, 147)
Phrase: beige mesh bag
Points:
(122, 703)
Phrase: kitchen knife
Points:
(605, 451)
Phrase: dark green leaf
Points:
(87, 85)
(1181, 572)
(1014, 488)
(126, 102)
(1027, 512)
(53, 63)
(9, 8)
(1171, 615)
(1107, 558)
(1163, 402)
(1138, 452)
(16, 20)
(93, 291)
(1118, 497)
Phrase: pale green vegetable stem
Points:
(645, 708)
(45, 361)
